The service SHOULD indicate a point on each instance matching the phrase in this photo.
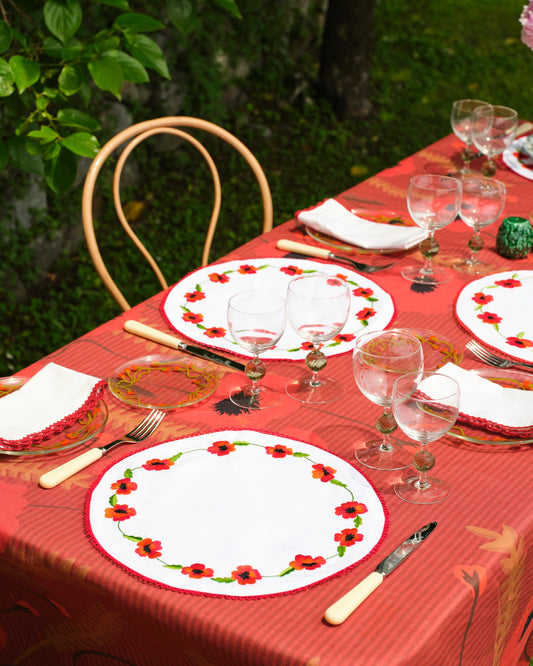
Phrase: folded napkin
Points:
(50, 401)
(486, 404)
(332, 218)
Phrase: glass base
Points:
(473, 267)
(438, 275)
(243, 397)
(410, 491)
(375, 457)
(327, 391)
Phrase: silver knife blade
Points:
(345, 606)
(210, 356)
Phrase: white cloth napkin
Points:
(332, 218)
(488, 405)
(54, 398)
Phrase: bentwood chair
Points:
(132, 137)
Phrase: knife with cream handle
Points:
(149, 333)
(344, 607)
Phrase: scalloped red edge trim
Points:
(493, 426)
(58, 426)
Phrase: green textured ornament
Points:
(515, 238)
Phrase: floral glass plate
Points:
(85, 428)
(162, 382)
(510, 379)
(382, 217)
(438, 350)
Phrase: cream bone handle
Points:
(56, 476)
(302, 248)
(345, 606)
(149, 333)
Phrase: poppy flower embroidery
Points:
(365, 314)
(510, 283)
(344, 337)
(245, 575)
(335, 281)
(348, 536)
(222, 278)
(481, 298)
(350, 509)
(278, 451)
(363, 292)
(323, 473)
(193, 317)
(489, 318)
(215, 332)
(197, 571)
(291, 270)
(519, 342)
(124, 486)
(149, 548)
(221, 448)
(120, 512)
(307, 346)
(247, 269)
(307, 562)
(193, 296)
(158, 464)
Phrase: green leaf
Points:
(341, 550)
(69, 80)
(182, 14)
(130, 537)
(223, 580)
(128, 474)
(78, 119)
(5, 36)
(119, 4)
(132, 69)
(148, 53)
(81, 143)
(335, 482)
(299, 454)
(113, 499)
(21, 158)
(45, 134)
(138, 23)
(4, 155)
(231, 6)
(60, 174)
(25, 71)
(107, 74)
(62, 18)
(7, 80)
(286, 571)
(176, 457)
(172, 566)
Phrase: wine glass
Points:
(379, 357)
(317, 309)
(425, 406)
(256, 320)
(433, 203)
(461, 122)
(493, 129)
(482, 204)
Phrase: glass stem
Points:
(255, 370)
(386, 425)
(476, 243)
(423, 461)
(428, 248)
(315, 361)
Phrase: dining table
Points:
(79, 586)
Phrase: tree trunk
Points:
(345, 60)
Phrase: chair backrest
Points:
(132, 137)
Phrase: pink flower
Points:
(526, 19)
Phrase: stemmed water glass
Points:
(493, 130)
(461, 122)
(426, 406)
(256, 321)
(317, 309)
(433, 202)
(482, 204)
(379, 358)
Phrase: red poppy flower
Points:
(344, 337)
(221, 448)
(307, 346)
(334, 281)
(218, 277)
(279, 451)
(307, 562)
(348, 536)
(197, 571)
(291, 270)
(124, 486)
(157, 463)
(482, 298)
(510, 283)
(149, 548)
(193, 296)
(365, 314)
(489, 318)
(193, 317)
(120, 512)
(323, 473)
(247, 269)
(215, 332)
(350, 509)
(519, 342)
(245, 575)
(363, 292)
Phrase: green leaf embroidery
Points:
(223, 580)
(129, 537)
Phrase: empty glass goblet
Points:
(426, 406)
(493, 130)
(317, 309)
(461, 122)
(433, 203)
(482, 204)
(256, 320)
(379, 358)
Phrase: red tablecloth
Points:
(465, 597)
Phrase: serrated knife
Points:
(345, 606)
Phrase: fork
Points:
(143, 430)
(491, 359)
(322, 253)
